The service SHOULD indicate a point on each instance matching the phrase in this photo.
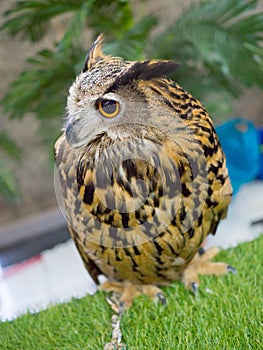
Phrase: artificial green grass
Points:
(229, 318)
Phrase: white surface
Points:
(60, 274)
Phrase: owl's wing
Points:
(64, 158)
(222, 208)
(220, 191)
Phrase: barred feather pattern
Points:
(140, 198)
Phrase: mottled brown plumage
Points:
(143, 176)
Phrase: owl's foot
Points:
(201, 265)
(125, 292)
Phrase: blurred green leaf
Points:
(29, 18)
(43, 86)
(219, 46)
(76, 27)
(131, 45)
(9, 146)
(8, 185)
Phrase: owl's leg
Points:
(125, 292)
(201, 265)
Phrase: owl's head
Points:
(112, 96)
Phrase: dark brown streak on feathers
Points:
(144, 71)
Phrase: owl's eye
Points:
(108, 108)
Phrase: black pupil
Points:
(109, 106)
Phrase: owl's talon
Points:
(201, 251)
(114, 304)
(194, 287)
(122, 307)
(231, 269)
(162, 299)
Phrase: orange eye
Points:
(108, 108)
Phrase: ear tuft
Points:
(145, 70)
(94, 54)
(148, 70)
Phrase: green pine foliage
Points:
(220, 46)
(42, 88)
(8, 184)
(217, 43)
(9, 152)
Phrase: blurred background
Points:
(42, 48)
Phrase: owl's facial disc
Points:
(95, 118)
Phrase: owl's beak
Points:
(77, 134)
(70, 134)
(73, 137)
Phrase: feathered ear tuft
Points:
(148, 70)
(145, 70)
(94, 54)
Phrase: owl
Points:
(143, 177)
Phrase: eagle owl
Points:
(143, 176)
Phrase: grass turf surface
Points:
(229, 318)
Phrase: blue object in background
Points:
(261, 153)
(240, 141)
